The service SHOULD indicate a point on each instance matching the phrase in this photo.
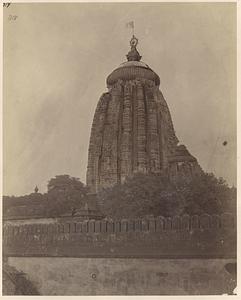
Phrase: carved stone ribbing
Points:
(132, 132)
(141, 129)
(126, 134)
(108, 160)
(95, 145)
(154, 134)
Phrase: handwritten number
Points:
(6, 5)
(12, 18)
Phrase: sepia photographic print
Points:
(119, 148)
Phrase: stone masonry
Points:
(132, 130)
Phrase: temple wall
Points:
(152, 256)
(185, 236)
(119, 276)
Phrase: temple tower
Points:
(132, 130)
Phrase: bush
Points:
(155, 195)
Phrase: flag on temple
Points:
(130, 24)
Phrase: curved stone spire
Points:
(133, 54)
(132, 130)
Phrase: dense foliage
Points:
(62, 183)
(65, 194)
(139, 196)
(157, 195)
(207, 194)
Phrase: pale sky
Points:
(58, 56)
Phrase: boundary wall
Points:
(180, 236)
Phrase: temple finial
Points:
(133, 54)
(133, 42)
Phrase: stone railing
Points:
(184, 235)
(158, 224)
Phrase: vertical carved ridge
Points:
(96, 142)
(154, 160)
(141, 137)
(109, 158)
(159, 132)
(134, 130)
(126, 141)
(146, 105)
(119, 139)
(101, 148)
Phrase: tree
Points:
(139, 196)
(65, 194)
(155, 195)
(207, 194)
(63, 183)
